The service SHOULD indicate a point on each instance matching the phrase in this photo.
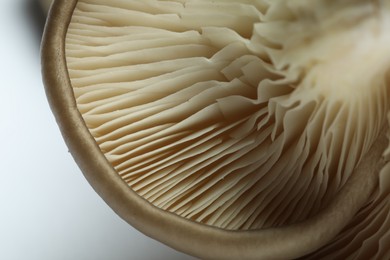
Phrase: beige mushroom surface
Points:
(242, 115)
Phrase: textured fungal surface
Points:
(237, 114)
(367, 236)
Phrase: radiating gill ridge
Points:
(219, 112)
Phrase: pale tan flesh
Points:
(207, 242)
(204, 118)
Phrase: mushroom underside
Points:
(240, 115)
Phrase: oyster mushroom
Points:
(230, 129)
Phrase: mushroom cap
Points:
(229, 129)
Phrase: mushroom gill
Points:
(257, 124)
(367, 236)
(235, 114)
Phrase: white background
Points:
(48, 211)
